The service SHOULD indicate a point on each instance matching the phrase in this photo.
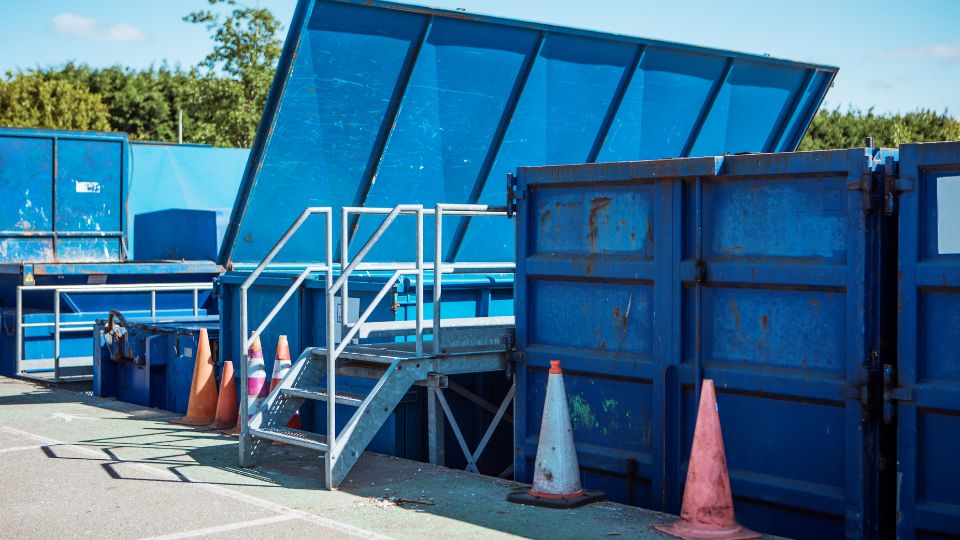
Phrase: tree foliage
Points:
(32, 101)
(836, 129)
(221, 99)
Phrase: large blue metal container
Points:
(64, 226)
(377, 104)
(759, 271)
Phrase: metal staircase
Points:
(457, 346)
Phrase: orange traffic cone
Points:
(203, 391)
(707, 510)
(227, 406)
(556, 476)
(282, 365)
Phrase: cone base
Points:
(691, 531)
(220, 425)
(188, 421)
(526, 496)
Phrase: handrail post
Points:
(196, 302)
(331, 360)
(437, 277)
(344, 258)
(56, 335)
(153, 304)
(19, 359)
(244, 360)
(419, 307)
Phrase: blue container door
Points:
(928, 373)
(755, 271)
(89, 198)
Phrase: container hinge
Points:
(892, 392)
(892, 186)
(865, 185)
(700, 270)
(514, 194)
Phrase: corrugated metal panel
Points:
(927, 385)
(377, 103)
(165, 176)
(65, 191)
(755, 271)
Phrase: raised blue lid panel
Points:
(378, 104)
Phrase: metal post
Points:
(196, 302)
(244, 425)
(56, 335)
(435, 428)
(19, 358)
(331, 362)
(419, 307)
(153, 304)
(437, 281)
(344, 258)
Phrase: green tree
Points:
(835, 129)
(31, 101)
(246, 50)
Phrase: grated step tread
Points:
(292, 436)
(320, 394)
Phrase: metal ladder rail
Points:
(333, 446)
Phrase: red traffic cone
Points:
(281, 366)
(203, 390)
(556, 476)
(227, 403)
(707, 510)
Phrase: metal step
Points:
(292, 436)
(320, 394)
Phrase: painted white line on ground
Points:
(21, 448)
(211, 488)
(224, 528)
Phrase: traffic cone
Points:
(707, 510)
(257, 388)
(556, 476)
(226, 417)
(203, 391)
(281, 366)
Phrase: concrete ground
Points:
(72, 465)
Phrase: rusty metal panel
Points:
(923, 393)
(755, 271)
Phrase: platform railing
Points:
(60, 327)
(346, 268)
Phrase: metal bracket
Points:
(700, 270)
(514, 194)
(892, 392)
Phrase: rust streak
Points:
(596, 205)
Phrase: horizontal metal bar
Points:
(451, 209)
(62, 234)
(133, 287)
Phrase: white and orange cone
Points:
(281, 366)
(707, 511)
(556, 476)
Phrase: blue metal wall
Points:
(376, 104)
(63, 195)
(755, 271)
(192, 177)
(926, 384)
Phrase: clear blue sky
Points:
(894, 56)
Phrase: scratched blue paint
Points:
(67, 191)
(376, 104)
(928, 412)
(781, 311)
